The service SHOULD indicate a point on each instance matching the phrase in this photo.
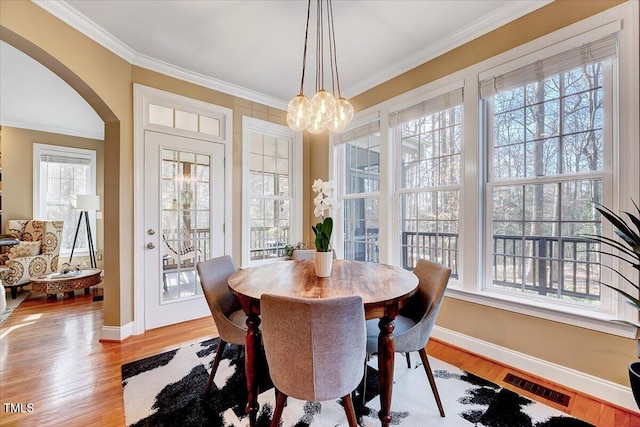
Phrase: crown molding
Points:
(80, 133)
(484, 25)
(208, 82)
(70, 16)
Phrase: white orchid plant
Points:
(323, 202)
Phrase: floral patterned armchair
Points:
(45, 261)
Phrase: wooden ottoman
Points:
(68, 283)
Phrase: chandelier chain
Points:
(335, 81)
(324, 110)
(304, 55)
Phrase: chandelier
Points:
(324, 111)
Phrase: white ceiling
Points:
(254, 48)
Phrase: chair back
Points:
(214, 274)
(303, 254)
(424, 305)
(307, 254)
(315, 348)
(47, 232)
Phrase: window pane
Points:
(538, 228)
(210, 126)
(270, 214)
(361, 214)
(64, 173)
(361, 229)
(431, 160)
(160, 115)
(186, 121)
(430, 228)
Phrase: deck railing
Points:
(527, 263)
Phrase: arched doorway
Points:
(112, 297)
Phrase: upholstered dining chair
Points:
(416, 319)
(327, 337)
(225, 307)
(307, 253)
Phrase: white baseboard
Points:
(116, 333)
(579, 381)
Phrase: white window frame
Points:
(249, 125)
(338, 145)
(626, 155)
(40, 183)
(399, 191)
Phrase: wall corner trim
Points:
(116, 333)
(571, 378)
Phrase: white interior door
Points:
(184, 224)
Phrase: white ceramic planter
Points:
(323, 262)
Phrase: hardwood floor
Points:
(52, 364)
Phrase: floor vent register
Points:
(538, 389)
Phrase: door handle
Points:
(151, 232)
(150, 245)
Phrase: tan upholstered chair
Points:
(49, 234)
(416, 318)
(225, 307)
(314, 348)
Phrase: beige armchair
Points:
(39, 261)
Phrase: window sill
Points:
(78, 253)
(571, 316)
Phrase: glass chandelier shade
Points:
(299, 112)
(342, 115)
(324, 111)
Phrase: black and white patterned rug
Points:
(166, 389)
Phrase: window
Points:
(494, 169)
(549, 141)
(60, 172)
(429, 140)
(358, 191)
(187, 121)
(272, 195)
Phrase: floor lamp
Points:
(85, 203)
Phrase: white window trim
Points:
(39, 149)
(398, 192)
(250, 124)
(472, 221)
(337, 157)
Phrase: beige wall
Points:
(17, 176)
(104, 80)
(599, 354)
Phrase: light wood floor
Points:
(50, 358)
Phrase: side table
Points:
(54, 283)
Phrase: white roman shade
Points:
(426, 108)
(588, 53)
(361, 131)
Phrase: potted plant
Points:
(323, 202)
(288, 250)
(626, 250)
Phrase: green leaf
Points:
(327, 226)
(618, 222)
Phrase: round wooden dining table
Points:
(383, 288)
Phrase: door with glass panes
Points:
(184, 223)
